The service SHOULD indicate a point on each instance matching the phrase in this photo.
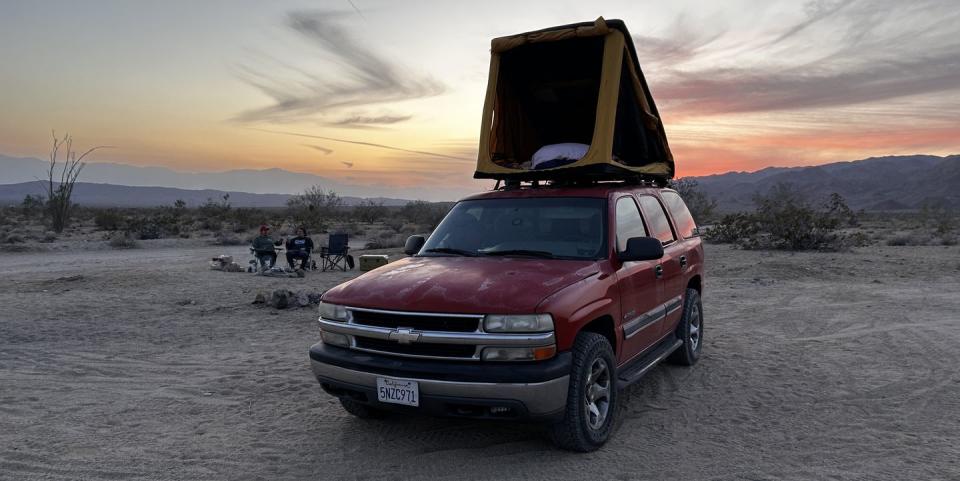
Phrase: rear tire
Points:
(690, 331)
(360, 410)
(591, 398)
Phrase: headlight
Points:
(333, 312)
(518, 323)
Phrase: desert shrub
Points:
(369, 211)
(784, 219)
(701, 206)
(424, 213)
(48, 237)
(315, 208)
(243, 219)
(227, 239)
(391, 241)
(122, 241)
(33, 206)
(14, 239)
(108, 219)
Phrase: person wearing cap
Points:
(263, 246)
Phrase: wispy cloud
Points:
(362, 77)
(348, 164)
(321, 148)
(363, 122)
(368, 144)
(866, 51)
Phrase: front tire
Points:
(690, 331)
(591, 397)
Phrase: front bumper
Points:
(463, 389)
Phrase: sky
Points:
(390, 93)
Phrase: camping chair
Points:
(334, 255)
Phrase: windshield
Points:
(561, 228)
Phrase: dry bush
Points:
(369, 211)
(423, 213)
(701, 206)
(315, 208)
(123, 241)
(109, 219)
(227, 239)
(784, 219)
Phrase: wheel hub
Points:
(597, 393)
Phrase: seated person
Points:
(299, 247)
(263, 247)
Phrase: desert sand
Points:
(150, 366)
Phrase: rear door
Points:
(670, 268)
(640, 288)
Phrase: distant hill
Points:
(15, 170)
(107, 195)
(877, 183)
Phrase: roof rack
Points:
(643, 181)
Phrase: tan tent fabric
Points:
(600, 156)
(503, 44)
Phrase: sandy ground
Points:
(816, 366)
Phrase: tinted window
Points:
(567, 228)
(656, 218)
(629, 223)
(681, 215)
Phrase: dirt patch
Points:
(815, 366)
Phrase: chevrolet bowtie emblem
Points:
(405, 336)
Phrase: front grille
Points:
(465, 351)
(415, 321)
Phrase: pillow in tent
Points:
(556, 155)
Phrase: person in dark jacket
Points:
(263, 247)
(299, 247)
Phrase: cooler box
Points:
(371, 262)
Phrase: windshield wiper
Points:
(451, 250)
(521, 252)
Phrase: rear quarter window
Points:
(686, 226)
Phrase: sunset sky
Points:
(395, 88)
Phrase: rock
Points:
(315, 297)
(232, 267)
(186, 302)
(260, 299)
(303, 299)
(282, 299)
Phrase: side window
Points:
(629, 223)
(686, 227)
(656, 219)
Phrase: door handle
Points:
(683, 262)
(658, 270)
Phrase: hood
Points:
(467, 285)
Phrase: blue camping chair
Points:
(336, 254)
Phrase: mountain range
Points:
(15, 170)
(877, 183)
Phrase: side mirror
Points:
(641, 249)
(414, 244)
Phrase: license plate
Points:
(397, 391)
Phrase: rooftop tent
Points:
(573, 84)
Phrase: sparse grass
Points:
(123, 241)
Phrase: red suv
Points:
(525, 303)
